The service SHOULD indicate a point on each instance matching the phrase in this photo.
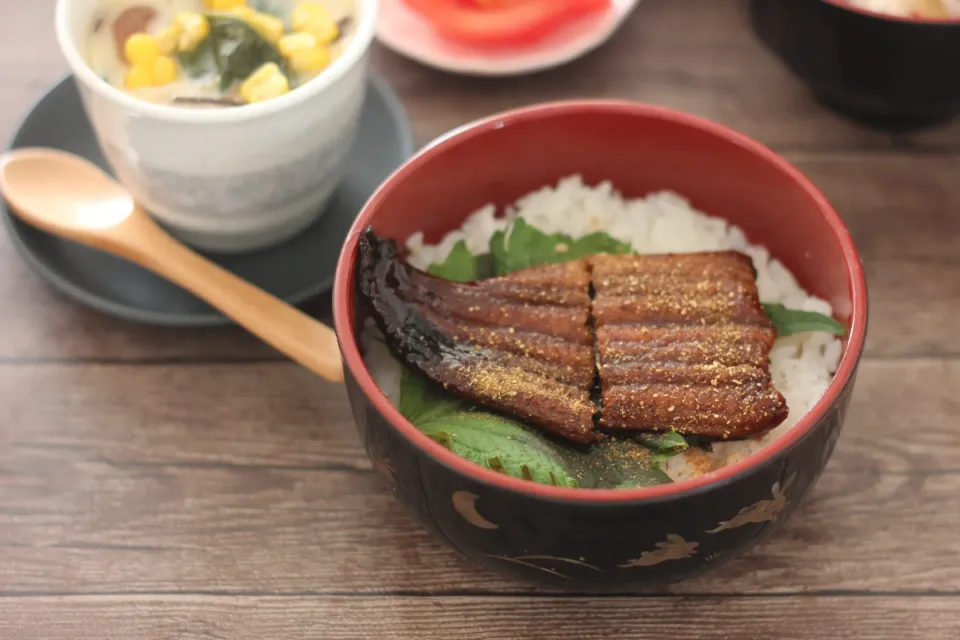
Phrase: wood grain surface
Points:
(159, 483)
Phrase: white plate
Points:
(401, 29)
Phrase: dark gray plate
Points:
(295, 271)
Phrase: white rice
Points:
(802, 365)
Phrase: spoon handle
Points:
(286, 328)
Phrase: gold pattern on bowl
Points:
(761, 511)
(532, 560)
(465, 504)
(673, 548)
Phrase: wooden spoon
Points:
(68, 196)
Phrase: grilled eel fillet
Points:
(680, 342)
(520, 344)
(683, 345)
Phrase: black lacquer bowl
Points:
(606, 540)
(884, 71)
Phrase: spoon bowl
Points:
(82, 200)
(68, 196)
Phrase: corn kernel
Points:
(303, 53)
(195, 27)
(168, 38)
(223, 5)
(270, 27)
(295, 43)
(138, 77)
(265, 83)
(164, 71)
(310, 61)
(141, 48)
(314, 19)
(327, 33)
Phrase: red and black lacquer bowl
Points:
(606, 540)
(885, 71)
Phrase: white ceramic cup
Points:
(233, 179)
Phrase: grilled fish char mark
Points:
(680, 342)
(521, 344)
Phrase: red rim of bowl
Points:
(343, 312)
(847, 6)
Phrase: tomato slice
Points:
(502, 22)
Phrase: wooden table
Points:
(193, 484)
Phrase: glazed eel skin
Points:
(638, 343)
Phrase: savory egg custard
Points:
(215, 53)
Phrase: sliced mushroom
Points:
(342, 25)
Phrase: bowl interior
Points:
(640, 150)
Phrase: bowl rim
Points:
(343, 312)
(356, 49)
(845, 5)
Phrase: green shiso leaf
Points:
(460, 265)
(487, 439)
(523, 246)
(499, 444)
(421, 401)
(670, 443)
(790, 321)
(615, 461)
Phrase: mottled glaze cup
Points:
(606, 540)
(228, 180)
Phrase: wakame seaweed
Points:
(231, 52)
